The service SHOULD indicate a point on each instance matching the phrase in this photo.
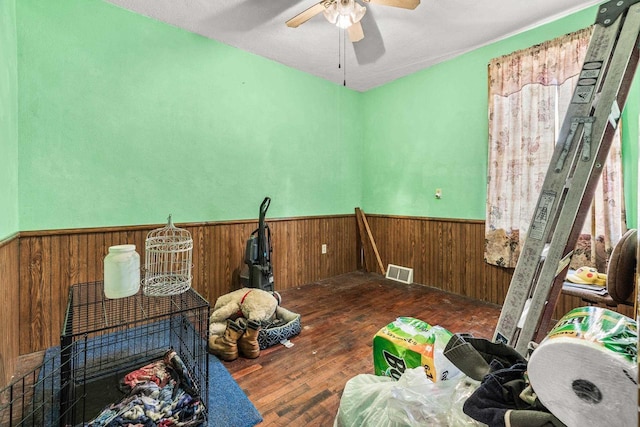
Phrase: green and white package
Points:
(585, 371)
(409, 343)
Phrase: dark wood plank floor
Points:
(302, 385)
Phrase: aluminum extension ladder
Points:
(583, 145)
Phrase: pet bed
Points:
(285, 326)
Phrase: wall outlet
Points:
(324, 248)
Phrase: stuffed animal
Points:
(250, 303)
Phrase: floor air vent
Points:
(400, 274)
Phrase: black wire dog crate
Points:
(104, 339)
(32, 399)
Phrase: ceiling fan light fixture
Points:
(344, 13)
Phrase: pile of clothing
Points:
(161, 394)
(504, 396)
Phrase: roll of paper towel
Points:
(585, 370)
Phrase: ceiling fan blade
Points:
(355, 32)
(371, 48)
(314, 10)
(405, 4)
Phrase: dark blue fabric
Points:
(498, 393)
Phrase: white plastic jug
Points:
(121, 271)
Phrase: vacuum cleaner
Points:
(257, 256)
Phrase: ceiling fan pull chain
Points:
(344, 54)
(339, 53)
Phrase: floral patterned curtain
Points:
(529, 93)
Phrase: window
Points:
(529, 92)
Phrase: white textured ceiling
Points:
(397, 41)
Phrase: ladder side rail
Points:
(549, 308)
(587, 171)
(623, 93)
(522, 282)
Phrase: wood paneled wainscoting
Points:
(449, 254)
(9, 312)
(444, 253)
(51, 261)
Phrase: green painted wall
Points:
(630, 143)
(9, 223)
(429, 130)
(124, 120)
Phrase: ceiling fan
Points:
(346, 14)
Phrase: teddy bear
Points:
(249, 303)
(236, 321)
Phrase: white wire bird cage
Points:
(168, 261)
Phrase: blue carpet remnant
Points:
(227, 405)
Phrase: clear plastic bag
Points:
(413, 400)
(416, 401)
(456, 417)
(363, 402)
